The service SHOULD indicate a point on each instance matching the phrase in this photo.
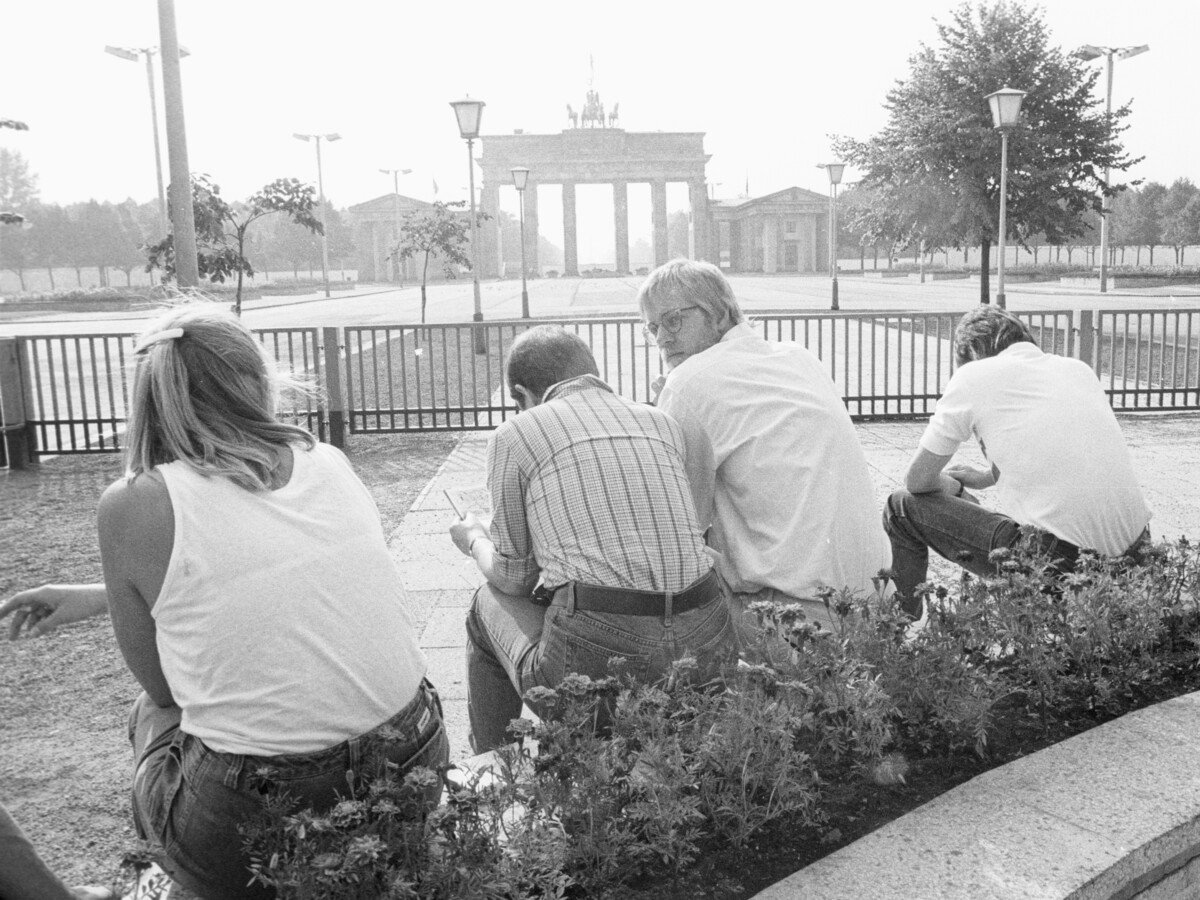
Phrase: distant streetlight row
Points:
(131, 54)
(1087, 53)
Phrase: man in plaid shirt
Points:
(594, 550)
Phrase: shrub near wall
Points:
(694, 789)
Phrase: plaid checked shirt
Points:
(588, 486)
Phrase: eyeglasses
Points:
(672, 320)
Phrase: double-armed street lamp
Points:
(1006, 112)
(132, 54)
(520, 176)
(1087, 53)
(469, 112)
(835, 170)
(396, 173)
(321, 198)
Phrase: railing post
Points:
(334, 404)
(1087, 339)
(14, 432)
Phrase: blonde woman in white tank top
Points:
(253, 598)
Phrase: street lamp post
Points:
(468, 112)
(396, 173)
(131, 54)
(520, 176)
(321, 198)
(1089, 52)
(835, 171)
(1006, 111)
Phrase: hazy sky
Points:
(766, 81)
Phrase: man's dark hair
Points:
(546, 355)
(986, 331)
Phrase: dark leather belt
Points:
(624, 602)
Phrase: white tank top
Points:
(281, 624)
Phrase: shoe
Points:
(916, 626)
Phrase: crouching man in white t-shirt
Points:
(1056, 455)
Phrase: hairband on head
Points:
(149, 340)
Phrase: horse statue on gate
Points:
(573, 116)
(612, 116)
(593, 111)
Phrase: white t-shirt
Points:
(776, 467)
(281, 623)
(1044, 421)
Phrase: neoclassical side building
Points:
(782, 232)
(375, 225)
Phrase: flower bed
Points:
(716, 789)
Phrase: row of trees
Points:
(121, 236)
(1146, 217)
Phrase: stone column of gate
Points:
(531, 227)
(658, 218)
(570, 235)
(489, 231)
(621, 225)
(698, 195)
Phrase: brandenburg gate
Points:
(602, 154)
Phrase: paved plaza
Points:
(440, 580)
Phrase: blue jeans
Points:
(960, 530)
(190, 800)
(514, 644)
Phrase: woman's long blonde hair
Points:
(205, 393)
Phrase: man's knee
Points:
(896, 520)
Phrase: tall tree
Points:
(1180, 217)
(939, 141)
(50, 234)
(1148, 216)
(221, 228)
(18, 185)
(441, 232)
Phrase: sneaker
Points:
(916, 626)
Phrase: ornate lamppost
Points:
(468, 112)
(520, 176)
(835, 170)
(1006, 112)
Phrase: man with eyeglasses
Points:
(774, 462)
(594, 550)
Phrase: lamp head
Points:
(468, 112)
(122, 52)
(520, 176)
(1006, 107)
(333, 137)
(1127, 52)
(834, 170)
(303, 137)
(1089, 52)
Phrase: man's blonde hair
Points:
(699, 283)
(205, 393)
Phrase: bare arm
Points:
(42, 609)
(925, 475)
(470, 535)
(137, 532)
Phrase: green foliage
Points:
(221, 227)
(631, 783)
(442, 232)
(935, 166)
(18, 185)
